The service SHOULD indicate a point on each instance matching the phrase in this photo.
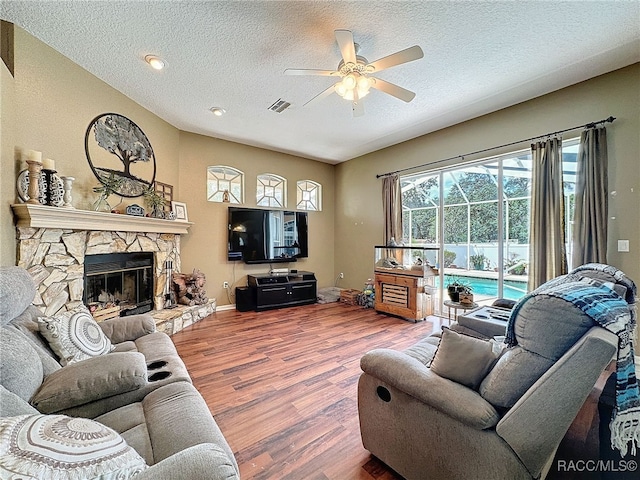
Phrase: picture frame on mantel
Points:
(180, 209)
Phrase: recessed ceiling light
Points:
(155, 62)
(218, 111)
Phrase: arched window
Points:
(271, 191)
(309, 195)
(225, 184)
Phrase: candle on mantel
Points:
(34, 156)
(48, 164)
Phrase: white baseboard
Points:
(222, 308)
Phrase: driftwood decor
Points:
(189, 288)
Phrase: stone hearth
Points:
(52, 244)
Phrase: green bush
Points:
(449, 258)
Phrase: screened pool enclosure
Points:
(478, 214)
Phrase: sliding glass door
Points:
(478, 215)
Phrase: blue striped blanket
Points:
(598, 300)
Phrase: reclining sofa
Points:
(124, 405)
(454, 406)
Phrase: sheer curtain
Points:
(392, 208)
(590, 218)
(547, 251)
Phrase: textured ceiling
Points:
(479, 57)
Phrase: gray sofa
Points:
(140, 390)
(500, 418)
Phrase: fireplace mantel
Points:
(43, 216)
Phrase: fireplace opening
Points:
(118, 284)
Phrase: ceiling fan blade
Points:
(394, 90)
(403, 56)
(320, 96)
(302, 71)
(347, 48)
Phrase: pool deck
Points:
(461, 272)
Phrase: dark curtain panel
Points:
(590, 220)
(392, 208)
(547, 251)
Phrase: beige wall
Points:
(54, 100)
(205, 247)
(57, 99)
(7, 177)
(359, 224)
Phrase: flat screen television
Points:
(267, 236)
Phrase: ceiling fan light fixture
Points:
(364, 83)
(362, 92)
(155, 62)
(340, 89)
(350, 81)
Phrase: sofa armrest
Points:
(126, 329)
(205, 460)
(90, 380)
(413, 378)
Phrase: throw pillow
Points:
(74, 335)
(464, 359)
(61, 447)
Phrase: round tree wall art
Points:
(117, 148)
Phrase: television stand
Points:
(279, 290)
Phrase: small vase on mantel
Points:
(67, 183)
(101, 204)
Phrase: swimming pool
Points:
(489, 287)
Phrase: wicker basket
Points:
(349, 296)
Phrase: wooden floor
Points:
(282, 387)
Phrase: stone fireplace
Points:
(54, 244)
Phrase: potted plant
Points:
(455, 287)
(107, 187)
(154, 202)
(478, 261)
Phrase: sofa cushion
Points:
(513, 374)
(168, 420)
(17, 291)
(464, 359)
(126, 329)
(74, 335)
(20, 367)
(27, 324)
(12, 405)
(423, 350)
(545, 327)
(56, 446)
(91, 380)
(549, 326)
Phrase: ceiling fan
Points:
(355, 73)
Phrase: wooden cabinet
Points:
(282, 290)
(404, 280)
(403, 295)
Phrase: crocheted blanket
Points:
(600, 302)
